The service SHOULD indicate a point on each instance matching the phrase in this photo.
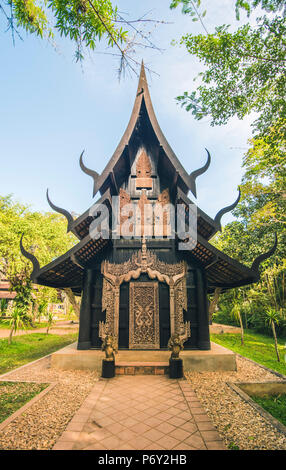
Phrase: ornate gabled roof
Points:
(67, 270)
(143, 107)
(112, 177)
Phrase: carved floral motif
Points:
(144, 316)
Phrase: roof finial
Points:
(64, 212)
(226, 209)
(199, 172)
(29, 256)
(264, 256)
(89, 172)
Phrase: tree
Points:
(72, 300)
(245, 70)
(84, 22)
(42, 297)
(16, 322)
(50, 320)
(3, 306)
(272, 318)
(214, 303)
(44, 235)
(235, 312)
(263, 187)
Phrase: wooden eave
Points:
(67, 270)
(221, 270)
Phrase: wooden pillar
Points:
(191, 313)
(203, 314)
(84, 337)
(172, 307)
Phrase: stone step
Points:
(141, 368)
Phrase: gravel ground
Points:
(42, 424)
(236, 421)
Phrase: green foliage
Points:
(3, 306)
(191, 8)
(271, 315)
(18, 321)
(85, 23)
(245, 70)
(14, 395)
(50, 320)
(263, 202)
(275, 405)
(256, 346)
(44, 235)
(245, 73)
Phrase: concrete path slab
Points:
(140, 412)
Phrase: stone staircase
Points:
(141, 368)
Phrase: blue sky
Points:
(52, 109)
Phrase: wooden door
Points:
(144, 315)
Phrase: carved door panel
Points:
(144, 315)
(123, 334)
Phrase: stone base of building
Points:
(135, 362)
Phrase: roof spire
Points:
(142, 84)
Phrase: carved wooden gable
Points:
(143, 172)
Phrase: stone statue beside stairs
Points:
(175, 344)
(109, 347)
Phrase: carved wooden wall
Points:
(144, 261)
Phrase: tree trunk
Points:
(213, 303)
(10, 335)
(241, 328)
(73, 301)
(275, 340)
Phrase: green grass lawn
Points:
(275, 405)
(258, 347)
(27, 348)
(13, 395)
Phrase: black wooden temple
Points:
(143, 290)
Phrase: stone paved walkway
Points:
(140, 412)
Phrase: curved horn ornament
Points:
(89, 172)
(226, 209)
(264, 256)
(199, 172)
(67, 215)
(29, 256)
